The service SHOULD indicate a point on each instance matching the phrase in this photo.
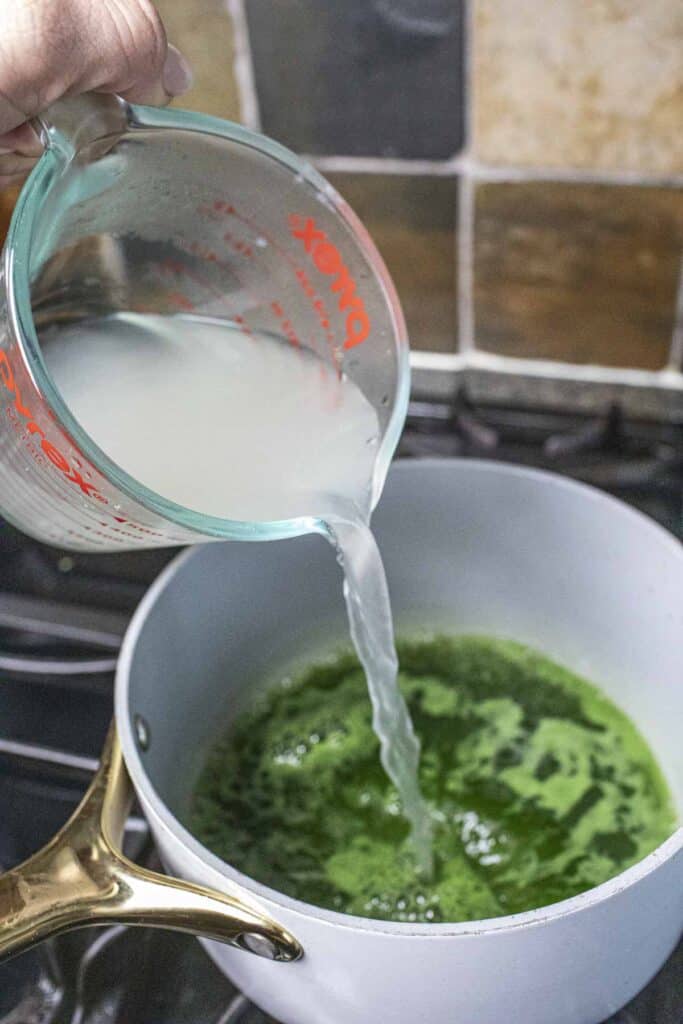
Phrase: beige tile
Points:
(203, 30)
(578, 83)
(578, 273)
(412, 220)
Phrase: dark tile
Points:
(360, 78)
(412, 220)
(578, 273)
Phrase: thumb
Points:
(177, 74)
(156, 86)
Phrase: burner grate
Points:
(640, 462)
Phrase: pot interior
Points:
(468, 547)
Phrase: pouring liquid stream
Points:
(256, 430)
(369, 610)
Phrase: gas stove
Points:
(62, 617)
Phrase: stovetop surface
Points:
(61, 620)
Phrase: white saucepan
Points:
(468, 547)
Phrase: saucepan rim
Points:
(179, 835)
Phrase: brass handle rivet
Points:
(142, 732)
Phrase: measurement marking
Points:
(178, 299)
(298, 272)
(286, 325)
(182, 269)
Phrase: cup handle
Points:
(82, 878)
(77, 121)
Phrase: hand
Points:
(55, 48)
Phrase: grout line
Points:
(468, 78)
(676, 351)
(464, 240)
(578, 175)
(243, 67)
(578, 372)
(436, 362)
(383, 165)
(465, 264)
(465, 164)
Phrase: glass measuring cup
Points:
(135, 209)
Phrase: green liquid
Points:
(539, 787)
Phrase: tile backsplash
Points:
(8, 198)
(579, 83)
(519, 164)
(577, 272)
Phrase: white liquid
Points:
(249, 428)
(224, 424)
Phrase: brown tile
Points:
(412, 220)
(596, 84)
(204, 33)
(8, 198)
(578, 273)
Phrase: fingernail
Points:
(177, 75)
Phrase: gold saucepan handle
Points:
(82, 878)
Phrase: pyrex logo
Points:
(328, 260)
(51, 452)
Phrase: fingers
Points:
(19, 150)
(135, 59)
(147, 69)
(11, 181)
(16, 172)
(50, 49)
(177, 74)
(175, 79)
(22, 140)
